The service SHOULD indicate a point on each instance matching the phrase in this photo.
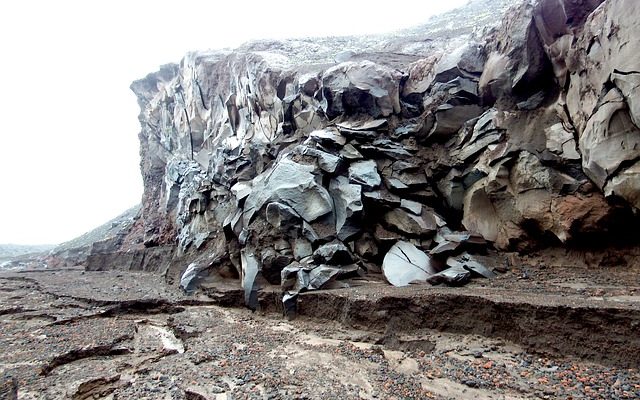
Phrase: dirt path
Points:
(76, 335)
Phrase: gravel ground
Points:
(70, 334)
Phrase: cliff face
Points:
(321, 158)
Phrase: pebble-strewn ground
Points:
(69, 334)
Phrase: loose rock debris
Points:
(194, 350)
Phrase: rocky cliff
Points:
(511, 125)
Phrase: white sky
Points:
(68, 134)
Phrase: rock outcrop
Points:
(297, 163)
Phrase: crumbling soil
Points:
(536, 331)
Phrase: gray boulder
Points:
(292, 184)
(282, 217)
(609, 140)
(404, 264)
(365, 173)
(333, 253)
(328, 137)
(248, 278)
(361, 87)
(411, 224)
(347, 199)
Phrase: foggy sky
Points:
(68, 140)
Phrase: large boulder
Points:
(347, 199)
(292, 184)
(361, 87)
(519, 201)
(365, 173)
(410, 224)
(609, 140)
(405, 264)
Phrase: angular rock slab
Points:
(189, 277)
(328, 137)
(626, 185)
(361, 87)
(471, 264)
(410, 224)
(302, 248)
(293, 184)
(405, 263)
(282, 217)
(347, 199)
(250, 270)
(454, 276)
(365, 173)
(299, 277)
(326, 161)
(334, 253)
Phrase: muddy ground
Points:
(537, 332)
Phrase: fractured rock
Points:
(250, 271)
(298, 277)
(361, 87)
(326, 161)
(333, 253)
(302, 248)
(292, 184)
(272, 263)
(328, 137)
(626, 184)
(405, 264)
(383, 235)
(410, 224)
(412, 206)
(511, 129)
(454, 276)
(282, 217)
(451, 242)
(561, 142)
(348, 206)
(382, 197)
(362, 130)
(449, 118)
(386, 148)
(349, 152)
(609, 139)
(366, 247)
(471, 264)
(365, 173)
(452, 188)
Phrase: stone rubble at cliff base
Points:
(299, 164)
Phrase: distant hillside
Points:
(109, 235)
(14, 250)
(118, 225)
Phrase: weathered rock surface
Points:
(513, 130)
(405, 264)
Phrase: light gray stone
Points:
(410, 224)
(365, 173)
(347, 198)
(405, 264)
(294, 185)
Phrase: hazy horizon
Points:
(69, 147)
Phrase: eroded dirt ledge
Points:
(76, 334)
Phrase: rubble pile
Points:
(302, 163)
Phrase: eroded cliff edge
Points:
(279, 159)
